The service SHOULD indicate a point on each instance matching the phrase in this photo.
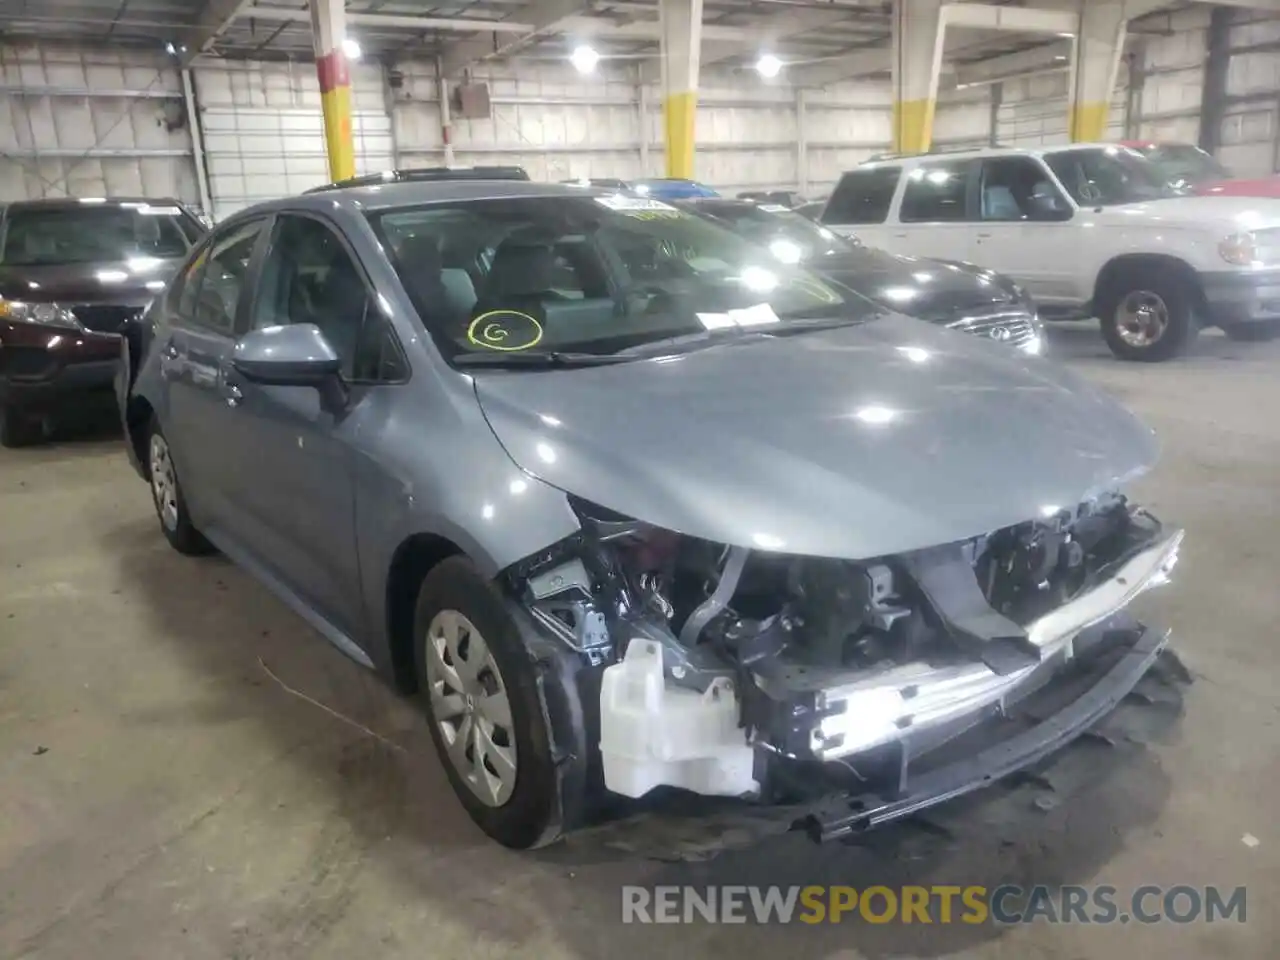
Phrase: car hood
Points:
(127, 283)
(888, 436)
(1229, 213)
(1260, 187)
(933, 290)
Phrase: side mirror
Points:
(298, 355)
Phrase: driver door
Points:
(1024, 230)
(296, 460)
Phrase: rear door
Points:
(935, 211)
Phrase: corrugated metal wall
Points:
(264, 133)
(1171, 78)
(101, 123)
(844, 124)
(1250, 133)
(91, 123)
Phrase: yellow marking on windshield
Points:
(494, 330)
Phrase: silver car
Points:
(628, 504)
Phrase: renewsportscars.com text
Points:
(938, 904)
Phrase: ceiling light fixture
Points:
(768, 66)
(351, 49)
(584, 58)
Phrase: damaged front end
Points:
(794, 680)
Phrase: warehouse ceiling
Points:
(829, 37)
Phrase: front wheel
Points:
(166, 493)
(1148, 314)
(1252, 332)
(479, 689)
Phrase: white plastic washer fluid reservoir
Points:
(653, 733)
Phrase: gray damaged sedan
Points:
(630, 505)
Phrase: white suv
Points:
(1089, 230)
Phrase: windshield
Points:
(1109, 176)
(1181, 162)
(49, 236)
(592, 275)
(790, 237)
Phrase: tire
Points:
(1252, 332)
(18, 428)
(1149, 297)
(520, 810)
(166, 495)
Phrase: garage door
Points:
(264, 131)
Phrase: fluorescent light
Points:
(584, 58)
(768, 66)
(351, 49)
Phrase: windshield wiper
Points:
(536, 358)
(696, 338)
(790, 327)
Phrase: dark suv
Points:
(72, 274)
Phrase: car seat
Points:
(445, 295)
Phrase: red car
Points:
(1186, 163)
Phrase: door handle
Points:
(169, 360)
(984, 236)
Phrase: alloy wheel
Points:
(469, 704)
(1142, 318)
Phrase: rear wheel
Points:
(1148, 314)
(478, 687)
(166, 493)
(1252, 332)
(19, 428)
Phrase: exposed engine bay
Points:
(722, 666)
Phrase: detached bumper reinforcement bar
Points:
(1008, 756)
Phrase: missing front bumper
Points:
(880, 708)
(957, 769)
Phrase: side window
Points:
(1017, 189)
(211, 284)
(309, 277)
(182, 294)
(863, 196)
(936, 192)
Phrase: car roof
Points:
(942, 155)
(386, 196)
(59, 203)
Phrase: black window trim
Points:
(371, 297)
(897, 169)
(1036, 161)
(207, 243)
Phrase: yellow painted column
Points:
(328, 27)
(1098, 47)
(681, 41)
(917, 45)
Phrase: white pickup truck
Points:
(1089, 230)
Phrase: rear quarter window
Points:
(863, 196)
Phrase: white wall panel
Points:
(845, 123)
(1250, 136)
(558, 125)
(264, 131)
(962, 119)
(92, 123)
(1168, 107)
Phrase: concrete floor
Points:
(164, 794)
